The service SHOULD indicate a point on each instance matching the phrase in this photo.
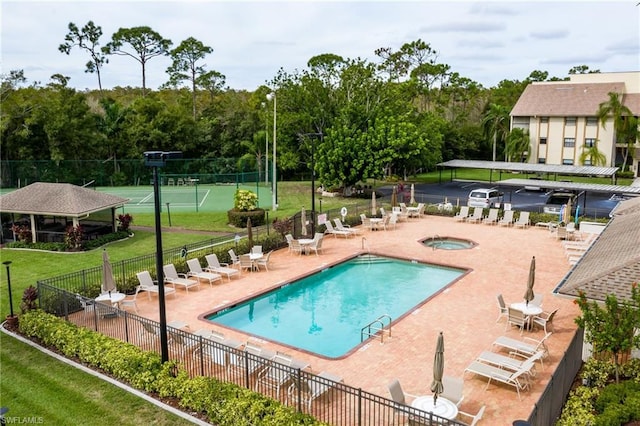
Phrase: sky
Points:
(485, 41)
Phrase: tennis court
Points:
(186, 198)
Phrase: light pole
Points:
(7, 263)
(156, 159)
(313, 181)
(266, 147)
(274, 186)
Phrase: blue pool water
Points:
(325, 312)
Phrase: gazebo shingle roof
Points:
(58, 199)
(612, 264)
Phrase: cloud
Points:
(550, 35)
(465, 27)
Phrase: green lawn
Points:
(34, 385)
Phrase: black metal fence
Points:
(549, 407)
(327, 400)
(338, 404)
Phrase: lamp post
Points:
(7, 263)
(274, 186)
(313, 181)
(156, 159)
(266, 147)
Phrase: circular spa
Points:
(448, 243)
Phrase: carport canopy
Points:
(540, 184)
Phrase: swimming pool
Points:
(324, 312)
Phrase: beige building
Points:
(560, 117)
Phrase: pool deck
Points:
(465, 312)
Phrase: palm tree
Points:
(496, 123)
(518, 145)
(593, 155)
(622, 123)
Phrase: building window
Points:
(592, 121)
(569, 142)
(587, 162)
(570, 121)
(542, 160)
(543, 141)
(567, 161)
(589, 142)
(544, 120)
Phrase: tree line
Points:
(398, 115)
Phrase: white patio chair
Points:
(474, 418)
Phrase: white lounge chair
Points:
(147, 284)
(276, 374)
(308, 390)
(347, 228)
(507, 218)
(214, 265)
(171, 276)
(492, 217)
(523, 220)
(524, 348)
(477, 215)
(463, 214)
(508, 362)
(336, 232)
(498, 374)
(195, 270)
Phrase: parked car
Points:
(485, 198)
(557, 199)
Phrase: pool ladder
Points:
(379, 326)
(433, 241)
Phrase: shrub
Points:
(124, 222)
(245, 201)
(29, 298)
(223, 403)
(23, 232)
(73, 237)
(283, 226)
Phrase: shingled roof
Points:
(58, 199)
(612, 264)
(556, 99)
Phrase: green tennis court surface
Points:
(186, 198)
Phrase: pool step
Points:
(368, 259)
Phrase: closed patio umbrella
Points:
(394, 196)
(374, 208)
(413, 194)
(250, 232)
(303, 221)
(438, 369)
(108, 283)
(567, 212)
(529, 295)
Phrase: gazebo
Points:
(59, 200)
